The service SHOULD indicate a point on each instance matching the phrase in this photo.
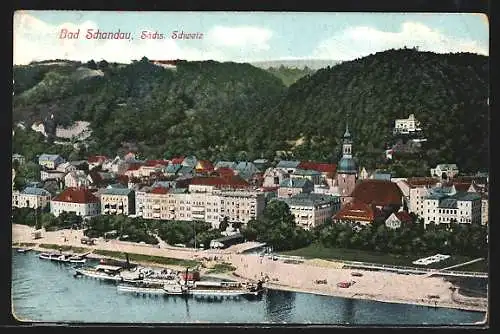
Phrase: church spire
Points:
(346, 133)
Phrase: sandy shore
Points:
(373, 285)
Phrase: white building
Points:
(395, 220)
(66, 167)
(415, 190)
(51, 175)
(117, 201)
(273, 177)
(461, 207)
(241, 206)
(445, 171)
(407, 125)
(31, 198)
(81, 201)
(311, 210)
(210, 206)
(76, 178)
(50, 161)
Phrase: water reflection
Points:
(349, 312)
(280, 305)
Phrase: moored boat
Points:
(105, 272)
(210, 288)
(24, 250)
(207, 288)
(143, 288)
(48, 256)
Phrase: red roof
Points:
(123, 179)
(220, 182)
(225, 171)
(358, 211)
(154, 163)
(159, 190)
(318, 166)
(97, 158)
(206, 165)
(462, 186)
(378, 192)
(414, 182)
(177, 160)
(76, 195)
(404, 216)
(133, 167)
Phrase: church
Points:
(347, 171)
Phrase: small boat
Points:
(24, 250)
(48, 256)
(345, 284)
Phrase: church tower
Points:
(347, 170)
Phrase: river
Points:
(45, 291)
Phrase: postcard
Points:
(250, 168)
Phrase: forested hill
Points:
(204, 108)
(237, 111)
(446, 92)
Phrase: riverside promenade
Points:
(301, 277)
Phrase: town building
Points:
(288, 166)
(396, 220)
(445, 171)
(49, 174)
(201, 203)
(273, 177)
(406, 125)
(311, 210)
(246, 170)
(77, 178)
(225, 164)
(97, 161)
(50, 161)
(140, 199)
(363, 174)
(204, 167)
(241, 206)
(289, 187)
(65, 167)
(261, 164)
(117, 201)
(190, 161)
(347, 170)
(31, 197)
(117, 165)
(81, 201)
(357, 213)
(380, 193)
(442, 206)
(415, 190)
(327, 171)
(172, 169)
(314, 176)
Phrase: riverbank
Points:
(377, 286)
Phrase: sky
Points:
(243, 36)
